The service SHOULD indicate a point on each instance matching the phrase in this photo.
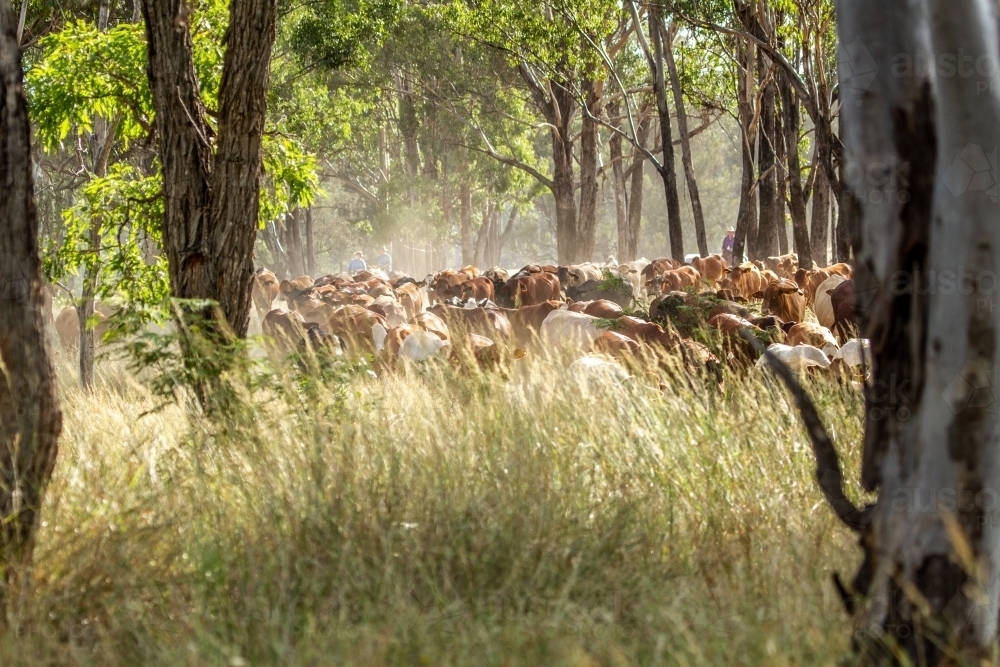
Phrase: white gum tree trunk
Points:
(920, 85)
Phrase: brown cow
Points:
(527, 321)
(744, 280)
(285, 330)
(488, 322)
(529, 290)
(810, 333)
(353, 324)
(784, 266)
(411, 298)
(842, 269)
(442, 285)
(712, 268)
(648, 333)
(67, 325)
(657, 268)
(842, 298)
(676, 280)
(607, 310)
(265, 291)
(477, 288)
(809, 280)
(615, 344)
(784, 300)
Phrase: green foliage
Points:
(84, 73)
(114, 229)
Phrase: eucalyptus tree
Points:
(927, 244)
(549, 47)
(211, 175)
(30, 418)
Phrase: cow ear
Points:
(757, 295)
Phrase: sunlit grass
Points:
(442, 520)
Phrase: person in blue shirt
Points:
(357, 265)
(384, 261)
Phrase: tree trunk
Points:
(465, 204)
(310, 243)
(767, 231)
(589, 150)
(502, 241)
(211, 197)
(682, 129)
(796, 196)
(628, 244)
(928, 253)
(100, 149)
(564, 191)
(666, 169)
(30, 418)
(820, 224)
(293, 244)
(482, 236)
(746, 218)
(618, 178)
(780, 177)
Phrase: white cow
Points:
(632, 272)
(824, 306)
(563, 328)
(799, 358)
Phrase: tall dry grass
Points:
(435, 519)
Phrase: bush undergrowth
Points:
(437, 518)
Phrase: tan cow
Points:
(712, 268)
(265, 290)
(745, 280)
(784, 300)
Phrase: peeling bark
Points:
(927, 247)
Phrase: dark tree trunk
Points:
(682, 129)
(465, 204)
(846, 213)
(408, 126)
(293, 244)
(820, 224)
(666, 169)
(211, 197)
(746, 218)
(30, 419)
(564, 185)
(796, 198)
(767, 234)
(310, 243)
(557, 104)
(634, 177)
(588, 170)
(482, 236)
(618, 179)
(505, 234)
(780, 173)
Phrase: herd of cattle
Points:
(600, 316)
